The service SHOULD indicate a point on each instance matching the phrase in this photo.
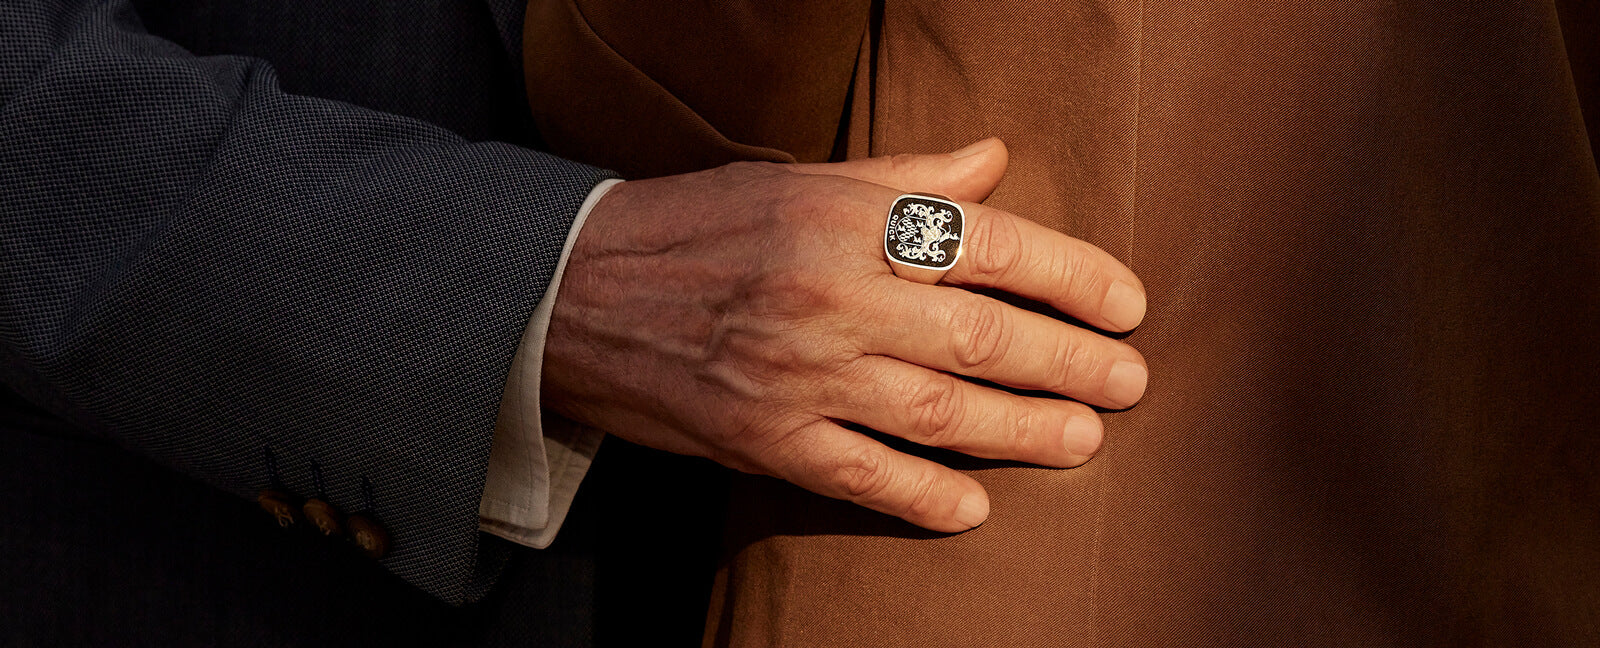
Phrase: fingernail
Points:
(973, 509)
(1125, 385)
(1082, 436)
(1123, 306)
(974, 148)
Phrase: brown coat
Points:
(1370, 233)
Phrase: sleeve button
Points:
(279, 504)
(368, 535)
(323, 516)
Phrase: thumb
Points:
(969, 174)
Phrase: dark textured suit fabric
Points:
(199, 261)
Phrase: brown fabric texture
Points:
(655, 88)
(1580, 28)
(1370, 234)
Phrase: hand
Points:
(738, 313)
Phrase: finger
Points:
(969, 174)
(830, 460)
(957, 331)
(1007, 252)
(1024, 258)
(937, 409)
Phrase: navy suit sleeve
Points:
(203, 267)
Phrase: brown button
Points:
(369, 535)
(323, 516)
(279, 504)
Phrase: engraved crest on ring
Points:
(924, 231)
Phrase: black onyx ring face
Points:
(924, 232)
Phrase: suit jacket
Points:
(261, 243)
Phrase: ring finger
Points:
(937, 409)
(954, 330)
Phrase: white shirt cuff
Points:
(536, 458)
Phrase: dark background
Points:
(99, 546)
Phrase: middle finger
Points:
(954, 330)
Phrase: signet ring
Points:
(922, 238)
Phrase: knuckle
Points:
(795, 288)
(939, 411)
(900, 163)
(979, 334)
(786, 447)
(1077, 272)
(862, 473)
(923, 500)
(1024, 428)
(808, 198)
(996, 248)
(747, 173)
(1076, 360)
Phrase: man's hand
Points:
(740, 313)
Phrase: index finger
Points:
(1010, 253)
